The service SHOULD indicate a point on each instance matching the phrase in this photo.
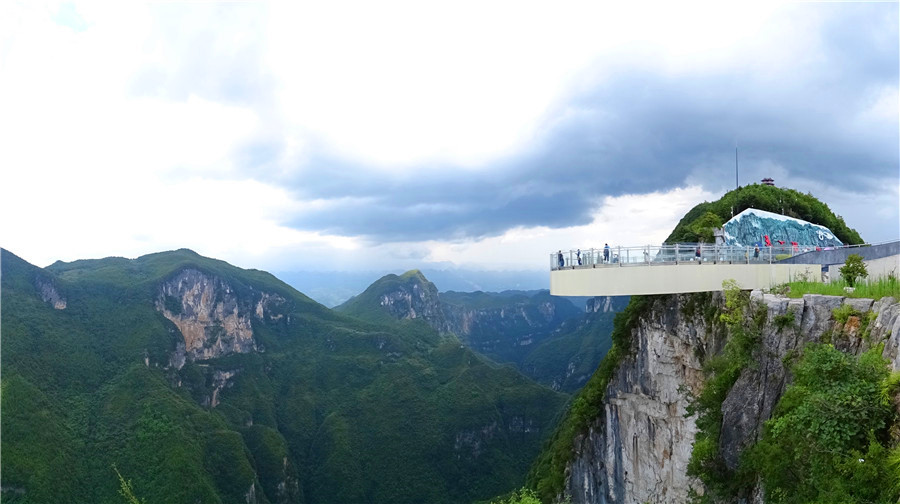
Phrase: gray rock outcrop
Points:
(49, 294)
(212, 321)
(414, 299)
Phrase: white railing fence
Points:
(649, 255)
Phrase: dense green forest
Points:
(328, 408)
(546, 337)
(693, 226)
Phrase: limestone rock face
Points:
(207, 312)
(221, 379)
(638, 450)
(415, 299)
(49, 294)
(606, 304)
(523, 319)
(886, 327)
(503, 328)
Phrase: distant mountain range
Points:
(332, 288)
(546, 337)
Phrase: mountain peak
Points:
(414, 274)
(391, 297)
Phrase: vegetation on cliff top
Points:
(693, 227)
(828, 439)
(873, 289)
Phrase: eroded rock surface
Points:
(207, 312)
(49, 294)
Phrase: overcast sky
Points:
(372, 135)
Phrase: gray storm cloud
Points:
(637, 129)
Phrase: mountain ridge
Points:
(273, 398)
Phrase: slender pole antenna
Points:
(736, 184)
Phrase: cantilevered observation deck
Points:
(683, 268)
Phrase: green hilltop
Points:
(761, 197)
(368, 304)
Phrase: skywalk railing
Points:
(697, 253)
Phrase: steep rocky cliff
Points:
(606, 304)
(208, 314)
(638, 448)
(504, 327)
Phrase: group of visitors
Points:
(561, 261)
(700, 253)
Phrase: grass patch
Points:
(873, 289)
(843, 313)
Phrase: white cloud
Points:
(628, 220)
(90, 169)
(238, 221)
(411, 86)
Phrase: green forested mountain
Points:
(788, 202)
(202, 382)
